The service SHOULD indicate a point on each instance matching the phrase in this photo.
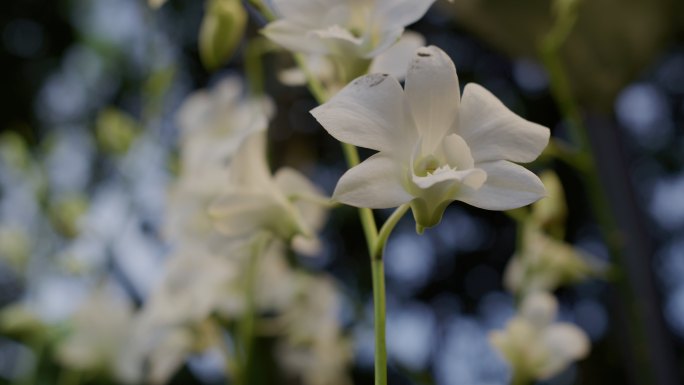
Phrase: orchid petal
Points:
(539, 309)
(457, 152)
(402, 12)
(368, 113)
(508, 186)
(565, 343)
(306, 12)
(494, 132)
(374, 183)
(306, 197)
(249, 167)
(473, 178)
(337, 32)
(381, 40)
(433, 94)
(294, 36)
(396, 59)
(242, 212)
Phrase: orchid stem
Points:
(378, 271)
(375, 242)
(379, 302)
(69, 377)
(562, 93)
(246, 326)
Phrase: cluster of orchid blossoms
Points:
(533, 342)
(232, 224)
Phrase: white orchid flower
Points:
(350, 33)
(213, 123)
(394, 61)
(286, 204)
(100, 330)
(544, 263)
(434, 146)
(534, 345)
(360, 28)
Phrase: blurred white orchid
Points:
(99, 333)
(156, 352)
(350, 32)
(543, 260)
(544, 263)
(534, 345)
(394, 61)
(313, 346)
(286, 204)
(434, 148)
(192, 287)
(213, 125)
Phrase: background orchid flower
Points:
(434, 148)
(394, 61)
(534, 345)
(213, 123)
(354, 31)
(98, 334)
(544, 263)
(286, 204)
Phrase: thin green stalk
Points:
(386, 230)
(254, 68)
(379, 303)
(315, 86)
(214, 328)
(69, 377)
(519, 379)
(263, 9)
(584, 159)
(351, 154)
(375, 242)
(39, 348)
(246, 325)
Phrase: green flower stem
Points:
(39, 350)
(263, 9)
(69, 377)
(375, 241)
(315, 86)
(520, 379)
(246, 325)
(583, 163)
(254, 68)
(386, 230)
(379, 303)
(351, 154)
(378, 271)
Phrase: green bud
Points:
(13, 150)
(115, 130)
(66, 212)
(221, 32)
(14, 247)
(550, 212)
(17, 321)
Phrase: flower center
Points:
(431, 165)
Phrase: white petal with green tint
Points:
(508, 186)
(433, 94)
(375, 183)
(369, 112)
(494, 132)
